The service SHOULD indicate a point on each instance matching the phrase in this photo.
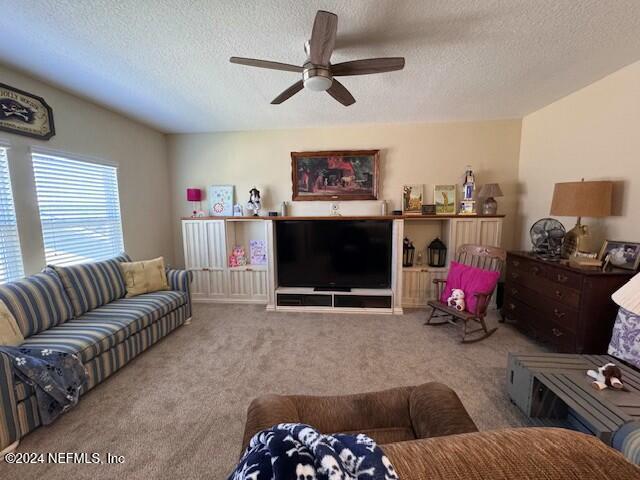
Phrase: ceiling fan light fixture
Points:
(318, 83)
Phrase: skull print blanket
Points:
(294, 451)
(57, 378)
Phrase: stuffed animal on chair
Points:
(456, 299)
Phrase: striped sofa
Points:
(82, 309)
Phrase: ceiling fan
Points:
(317, 72)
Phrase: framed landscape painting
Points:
(339, 175)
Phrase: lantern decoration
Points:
(408, 251)
(437, 253)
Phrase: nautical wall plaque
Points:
(25, 114)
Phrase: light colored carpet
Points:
(178, 410)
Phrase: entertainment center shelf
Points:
(208, 242)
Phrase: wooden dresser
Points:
(570, 308)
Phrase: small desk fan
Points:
(547, 235)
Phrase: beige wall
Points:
(593, 133)
(410, 153)
(85, 129)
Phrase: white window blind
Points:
(79, 209)
(10, 255)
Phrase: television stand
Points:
(331, 289)
(338, 300)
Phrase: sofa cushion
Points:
(10, 333)
(37, 302)
(91, 285)
(105, 327)
(144, 277)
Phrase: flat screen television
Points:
(338, 254)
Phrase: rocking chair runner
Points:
(487, 258)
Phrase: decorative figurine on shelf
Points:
(468, 205)
(238, 257)
(254, 204)
(456, 300)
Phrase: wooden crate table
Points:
(554, 389)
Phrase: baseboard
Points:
(10, 449)
(230, 300)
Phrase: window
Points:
(79, 209)
(10, 255)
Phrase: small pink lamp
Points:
(194, 195)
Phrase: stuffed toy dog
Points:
(456, 299)
(607, 376)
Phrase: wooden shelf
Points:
(424, 268)
(249, 268)
(351, 217)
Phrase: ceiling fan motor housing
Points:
(316, 77)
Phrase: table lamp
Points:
(194, 195)
(488, 192)
(580, 199)
(628, 296)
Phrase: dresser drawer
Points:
(552, 310)
(558, 336)
(561, 293)
(546, 271)
(527, 318)
(539, 325)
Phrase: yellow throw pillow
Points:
(10, 334)
(144, 277)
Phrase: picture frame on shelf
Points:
(335, 175)
(412, 198)
(221, 200)
(445, 198)
(620, 254)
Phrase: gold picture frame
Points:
(445, 199)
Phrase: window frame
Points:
(41, 151)
(6, 146)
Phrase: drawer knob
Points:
(556, 332)
(515, 263)
(562, 278)
(558, 294)
(512, 306)
(558, 313)
(514, 291)
(515, 274)
(535, 269)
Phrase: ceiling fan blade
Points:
(288, 93)
(368, 66)
(253, 62)
(340, 93)
(323, 37)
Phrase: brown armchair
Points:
(395, 415)
(510, 454)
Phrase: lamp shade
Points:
(194, 195)
(582, 199)
(628, 296)
(490, 190)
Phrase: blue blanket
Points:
(57, 378)
(294, 451)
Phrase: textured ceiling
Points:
(165, 62)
